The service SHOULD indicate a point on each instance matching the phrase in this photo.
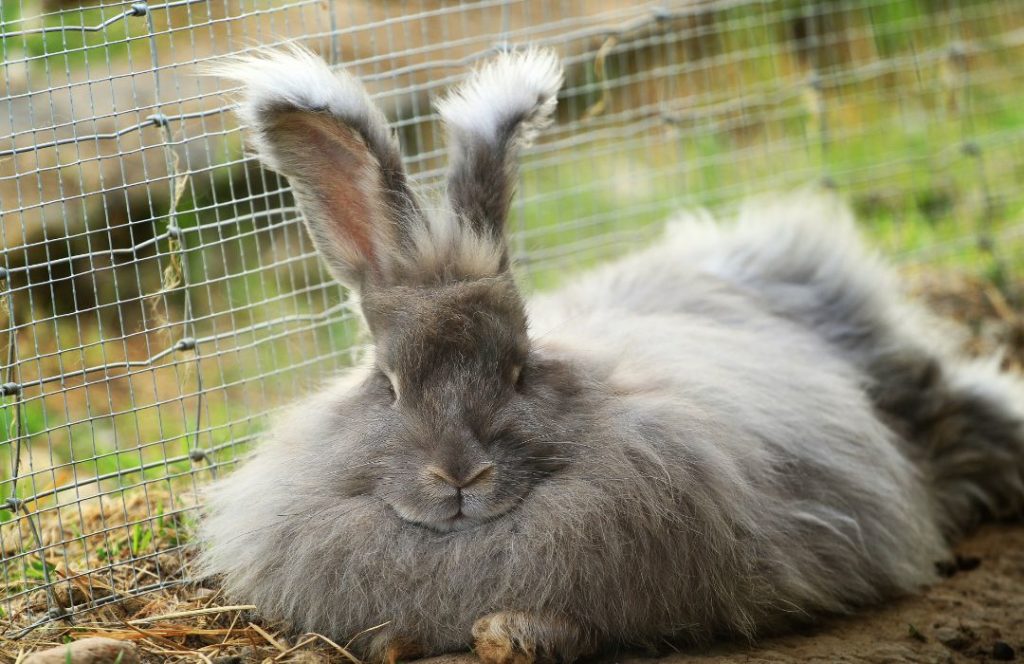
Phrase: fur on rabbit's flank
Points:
(735, 431)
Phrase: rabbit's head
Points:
(451, 426)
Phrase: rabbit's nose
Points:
(464, 479)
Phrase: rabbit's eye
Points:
(517, 376)
(390, 381)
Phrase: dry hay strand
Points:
(993, 325)
(187, 624)
(98, 551)
(180, 621)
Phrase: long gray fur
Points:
(738, 430)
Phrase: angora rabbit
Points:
(732, 432)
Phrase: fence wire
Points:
(159, 298)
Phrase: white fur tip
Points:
(294, 77)
(514, 86)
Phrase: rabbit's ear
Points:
(322, 131)
(498, 110)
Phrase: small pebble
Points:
(87, 651)
(1002, 651)
(951, 638)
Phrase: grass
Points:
(924, 159)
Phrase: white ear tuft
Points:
(498, 110)
(295, 77)
(514, 91)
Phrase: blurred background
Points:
(159, 298)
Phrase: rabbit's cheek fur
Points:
(469, 467)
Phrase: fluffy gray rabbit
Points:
(738, 430)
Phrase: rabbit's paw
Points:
(387, 648)
(400, 650)
(515, 637)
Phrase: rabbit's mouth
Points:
(462, 520)
(459, 522)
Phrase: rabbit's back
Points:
(799, 258)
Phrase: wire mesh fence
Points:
(159, 299)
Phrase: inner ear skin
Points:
(377, 144)
(334, 165)
(358, 205)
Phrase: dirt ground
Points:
(969, 617)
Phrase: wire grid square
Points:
(160, 298)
